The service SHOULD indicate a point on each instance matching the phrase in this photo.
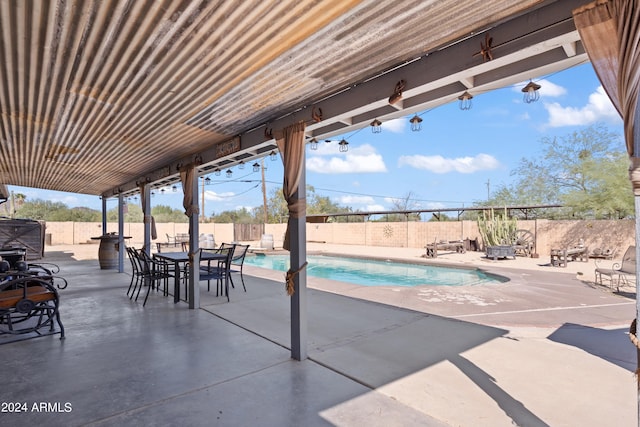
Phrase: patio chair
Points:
(239, 253)
(217, 270)
(619, 271)
(152, 273)
(136, 274)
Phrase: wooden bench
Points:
(28, 303)
(619, 271)
(452, 245)
(560, 257)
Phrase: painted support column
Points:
(104, 216)
(194, 252)
(120, 233)
(298, 256)
(147, 225)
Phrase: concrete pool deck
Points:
(546, 348)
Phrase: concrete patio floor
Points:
(543, 349)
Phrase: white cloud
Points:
(373, 208)
(395, 125)
(361, 159)
(439, 164)
(599, 108)
(67, 200)
(550, 90)
(212, 195)
(356, 200)
(436, 205)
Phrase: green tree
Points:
(586, 171)
(401, 204)
(277, 210)
(163, 213)
(133, 213)
(239, 216)
(43, 210)
(317, 204)
(82, 214)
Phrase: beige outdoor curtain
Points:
(291, 145)
(187, 175)
(610, 33)
(148, 218)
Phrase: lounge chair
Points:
(619, 271)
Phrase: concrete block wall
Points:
(616, 235)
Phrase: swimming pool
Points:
(369, 272)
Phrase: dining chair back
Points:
(136, 273)
(154, 272)
(237, 260)
(217, 269)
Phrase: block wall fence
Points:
(614, 234)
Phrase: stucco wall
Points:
(549, 234)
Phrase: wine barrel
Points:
(108, 251)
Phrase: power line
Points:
(386, 197)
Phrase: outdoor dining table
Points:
(178, 258)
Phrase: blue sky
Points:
(455, 160)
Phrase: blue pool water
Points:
(376, 273)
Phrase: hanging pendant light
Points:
(241, 165)
(416, 123)
(256, 167)
(465, 101)
(376, 126)
(229, 173)
(531, 92)
(343, 146)
(313, 144)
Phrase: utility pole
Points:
(264, 194)
(205, 181)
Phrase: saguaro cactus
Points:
(497, 229)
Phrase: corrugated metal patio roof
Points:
(98, 95)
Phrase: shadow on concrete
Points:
(372, 343)
(612, 345)
(512, 407)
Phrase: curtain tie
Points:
(290, 285)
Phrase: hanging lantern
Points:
(465, 101)
(531, 92)
(416, 123)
